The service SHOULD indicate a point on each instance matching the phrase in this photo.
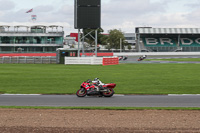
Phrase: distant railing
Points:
(46, 32)
(6, 52)
(32, 42)
(28, 60)
(173, 49)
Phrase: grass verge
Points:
(130, 78)
(103, 108)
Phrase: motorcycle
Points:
(96, 88)
(142, 58)
(123, 58)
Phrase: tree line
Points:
(110, 40)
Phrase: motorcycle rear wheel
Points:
(109, 93)
(81, 93)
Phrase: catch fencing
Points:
(28, 60)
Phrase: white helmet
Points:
(96, 79)
(144, 55)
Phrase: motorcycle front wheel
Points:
(81, 93)
(109, 93)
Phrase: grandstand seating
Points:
(168, 39)
(170, 44)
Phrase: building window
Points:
(130, 38)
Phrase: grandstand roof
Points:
(21, 26)
(4, 25)
(149, 30)
(46, 26)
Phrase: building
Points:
(130, 38)
(167, 39)
(69, 42)
(26, 39)
(74, 35)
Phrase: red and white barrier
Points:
(92, 60)
(110, 61)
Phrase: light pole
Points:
(96, 42)
(79, 42)
(120, 45)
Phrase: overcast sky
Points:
(118, 14)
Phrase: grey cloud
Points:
(193, 5)
(134, 6)
(146, 13)
(65, 13)
(19, 16)
(44, 13)
(194, 16)
(41, 9)
(117, 12)
(66, 10)
(6, 5)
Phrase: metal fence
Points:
(27, 60)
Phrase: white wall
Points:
(84, 60)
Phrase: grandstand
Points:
(150, 39)
(30, 39)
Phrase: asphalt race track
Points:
(115, 101)
(133, 59)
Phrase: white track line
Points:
(21, 94)
(183, 94)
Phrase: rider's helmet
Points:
(88, 81)
(96, 79)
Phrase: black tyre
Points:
(81, 93)
(109, 93)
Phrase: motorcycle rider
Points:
(95, 88)
(98, 83)
(143, 57)
(125, 57)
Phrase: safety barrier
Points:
(27, 54)
(91, 60)
(83, 60)
(27, 60)
(110, 61)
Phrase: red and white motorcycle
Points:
(96, 88)
(142, 58)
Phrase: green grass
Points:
(130, 78)
(103, 108)
(178, 59)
